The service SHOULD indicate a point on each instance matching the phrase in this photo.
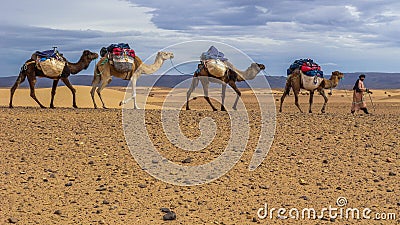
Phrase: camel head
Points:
(86, 58)
(261, 66)
(165, 55)
(338, 74)
(90, 55)
(258, 66)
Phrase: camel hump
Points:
(138, 62)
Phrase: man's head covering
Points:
(362, 75)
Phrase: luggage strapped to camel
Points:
(213, 60)
(307, 66)
(120, 55)
(50, 62)
(310, 72)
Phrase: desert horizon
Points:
(113, 95)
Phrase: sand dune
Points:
(112, 96)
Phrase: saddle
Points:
(216, 67)
(47, 53)
(120, 56)
(213, 53)
(51, 62)
(213, 60)
(310, 82)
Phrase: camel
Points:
(31, 71)
(104, 71)
(231, 76)
(294, 82)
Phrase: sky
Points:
(350, 36)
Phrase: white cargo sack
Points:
(216, 67)
(310, 82)
(52, 67)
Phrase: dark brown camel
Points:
(30, 71)
(232, 75)
(294, 82)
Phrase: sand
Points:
(73, 166)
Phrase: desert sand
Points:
(73, 166)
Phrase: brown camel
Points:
(231, 76)
(294, 82)
(104, 71)
(30, 70)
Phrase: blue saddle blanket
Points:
(213, 53)
(47, 54)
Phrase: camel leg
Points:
(133, 97)
(103, 84)
(32, 82)
(193, 86)
(322, 92)
(311, 101)
(19, 80)
(236, 89)
(95, 83)
(285, 93)
(223, 97)
(205, 83)
(134, 79)
(53, 93)
(73, 91)
(296, 99)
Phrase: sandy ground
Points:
(73, 166)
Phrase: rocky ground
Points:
(73, 166)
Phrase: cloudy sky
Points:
(349, 36)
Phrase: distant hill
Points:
(373, 81)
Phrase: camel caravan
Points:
(119, 60)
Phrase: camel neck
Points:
(154, 67)
(334, 81)
(78, 66)
(249, 74)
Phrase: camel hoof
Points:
(10, 106)
(75, 106)
(42, 106)
(121, 103)
(214, 109)
(105, 107)
(187, 108)
(234, 108)
(310, 111)
(223, 108)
